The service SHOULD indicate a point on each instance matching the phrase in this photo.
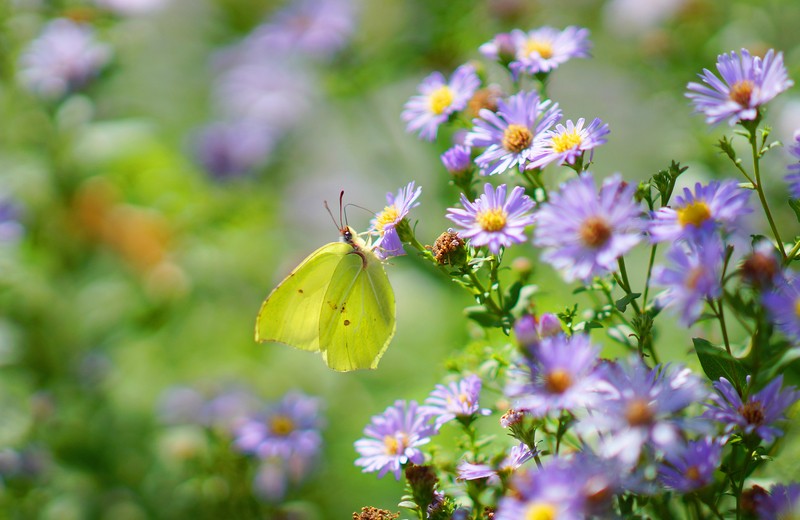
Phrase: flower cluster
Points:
(606, 434)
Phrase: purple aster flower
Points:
(438, 99)
(549, 492)
(457, 159)
(62, 59)
(758, 414)
(393, 439)
(691, 277)
(519, 455)
(640, 407)
(747, 83)
(793, 178)
(783, 304)
(563, 376)
(287, 429)
(721, 206)
(544, 49)
(499, 48)
(566, 144)
(508, 134)
(492, 220)
(691, 467)
(782, 502)
(230, 409)
(227, 150)
(530, 329)
(584, 231)
(385, 223)
(456, 400)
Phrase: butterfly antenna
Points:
(341, 210)
(337, 224)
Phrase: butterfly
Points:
(337, 302)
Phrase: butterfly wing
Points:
(357, 319)
(291, 312)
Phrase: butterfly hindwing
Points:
(357, 318)
(291, 313)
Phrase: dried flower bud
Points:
(484, 98)
(373, 513)
(760, 268)
(449, 249)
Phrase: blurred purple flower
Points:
(640, 407)
(458, 399)
(747, 84)
(62, 59)
(793, 178)
(562, 377)
(543, 50)
(530, 329)
(318, 28)
(499, 48)
(287, 429)
(584, 231)
(783, 303)
(758, 414)
(181, 405)
(691, 276)
(133, 7)
(508, 134)
(547, 492)
(393, 438)
(233, 149)
(719, 206)
(457, 159)
(565, 144)
(782, 502)
(385, 223)
(227, 410)
(691, 467)
(438, 99)
(492, 220)
(11, 228)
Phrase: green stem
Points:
(534, 182)
(649, 274)
(485, 297)
(791, 254)
(761, 196)
(626, 285)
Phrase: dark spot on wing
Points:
(343, 304)
(346, 323)
(300, 291)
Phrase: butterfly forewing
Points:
(357, 318)
(291, 313)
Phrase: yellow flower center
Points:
(797, 307)
(638, 413)
(540, 511)
(594, 231)
(492, 219)
(542, 48)
(693, 278)
(441, 99)
(516, 138)
(281, 425)
(693, 473)
(694, 213)
(558, 381)
(741, 92)
(389, 215)
(566, 141)
(395, 444)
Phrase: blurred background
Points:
(163, 165)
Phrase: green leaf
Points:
(482, 316)
(588, 325)
(623, 302)
(622, 334)
(717, 363)
(795, 205)
(511, 296)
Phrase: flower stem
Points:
(760, 191)
(625, 284)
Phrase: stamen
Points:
(558, 381)
(281, 425)
(566, 141)
(492, 219)
(540, 511)
(694, 213)
(595, 231)
(639, 413)
(753, 412)
(389, 215)
(441, 99)
(517, 138)
(741, 91)
(542, 48)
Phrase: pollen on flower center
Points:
(389, 215)
(540, 511)
(395, 444)
(542, 48)
(594, 231)
(753, 412)
(694, 213)
(441, 99)
(558, 381)
(281, 425)
(492, 219)
(741, 92)
(517, 138)
(566, 141)
(638, 413)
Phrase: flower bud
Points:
(449, 249)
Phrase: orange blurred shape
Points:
(140, 235)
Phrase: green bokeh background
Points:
(92, 333)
